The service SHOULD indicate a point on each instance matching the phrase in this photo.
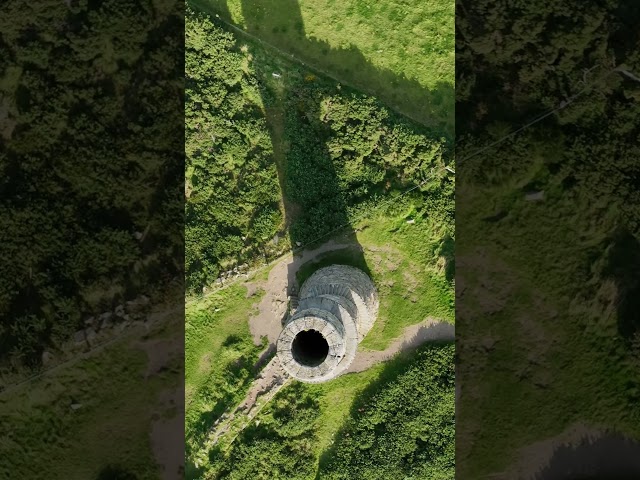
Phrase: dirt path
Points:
(270, 380)
(429, 330)
(580, 451)
(273, 306)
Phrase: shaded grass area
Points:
(538, 277)
(403, 54)
(219, 363)
(44, 438)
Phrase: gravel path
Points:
(429, 330)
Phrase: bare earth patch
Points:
(429, 330)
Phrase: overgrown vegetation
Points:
(563, 353)
(232, 187)
(336, 152)
(219, 363)
(402, 423)
(90, 103)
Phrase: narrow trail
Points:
(429, 330)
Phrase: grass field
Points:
(110, 431)
(401, 53)
(570, 343)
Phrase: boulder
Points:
(79, 337)
(47, 357)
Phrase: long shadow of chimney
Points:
(314, 200)
(315, 203)
(280, 23)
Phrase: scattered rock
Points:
(138, 235)
(120, 311)
(79, 337)
(411, 221)
(90, 334)
(534, 196)
(76, 406)
(106, 320)
(299, 244)
(46, 357)
(90, 321)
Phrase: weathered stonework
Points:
(337, 307)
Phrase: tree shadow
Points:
(623, 267)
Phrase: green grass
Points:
(44, 438)
(401, 53)
(410, 276)
(531, 280)
(219, 360)
(307, 431)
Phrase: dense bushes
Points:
(404, 429)
(91, 158)
(338, 150)
(401, 427)
(232, 186)
(345, 148)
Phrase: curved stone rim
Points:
(333, 336)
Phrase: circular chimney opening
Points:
(310, 348)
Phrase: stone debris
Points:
(47, 357)
(119, 311)
(534, 196)
(79, 337)
(90, 334)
